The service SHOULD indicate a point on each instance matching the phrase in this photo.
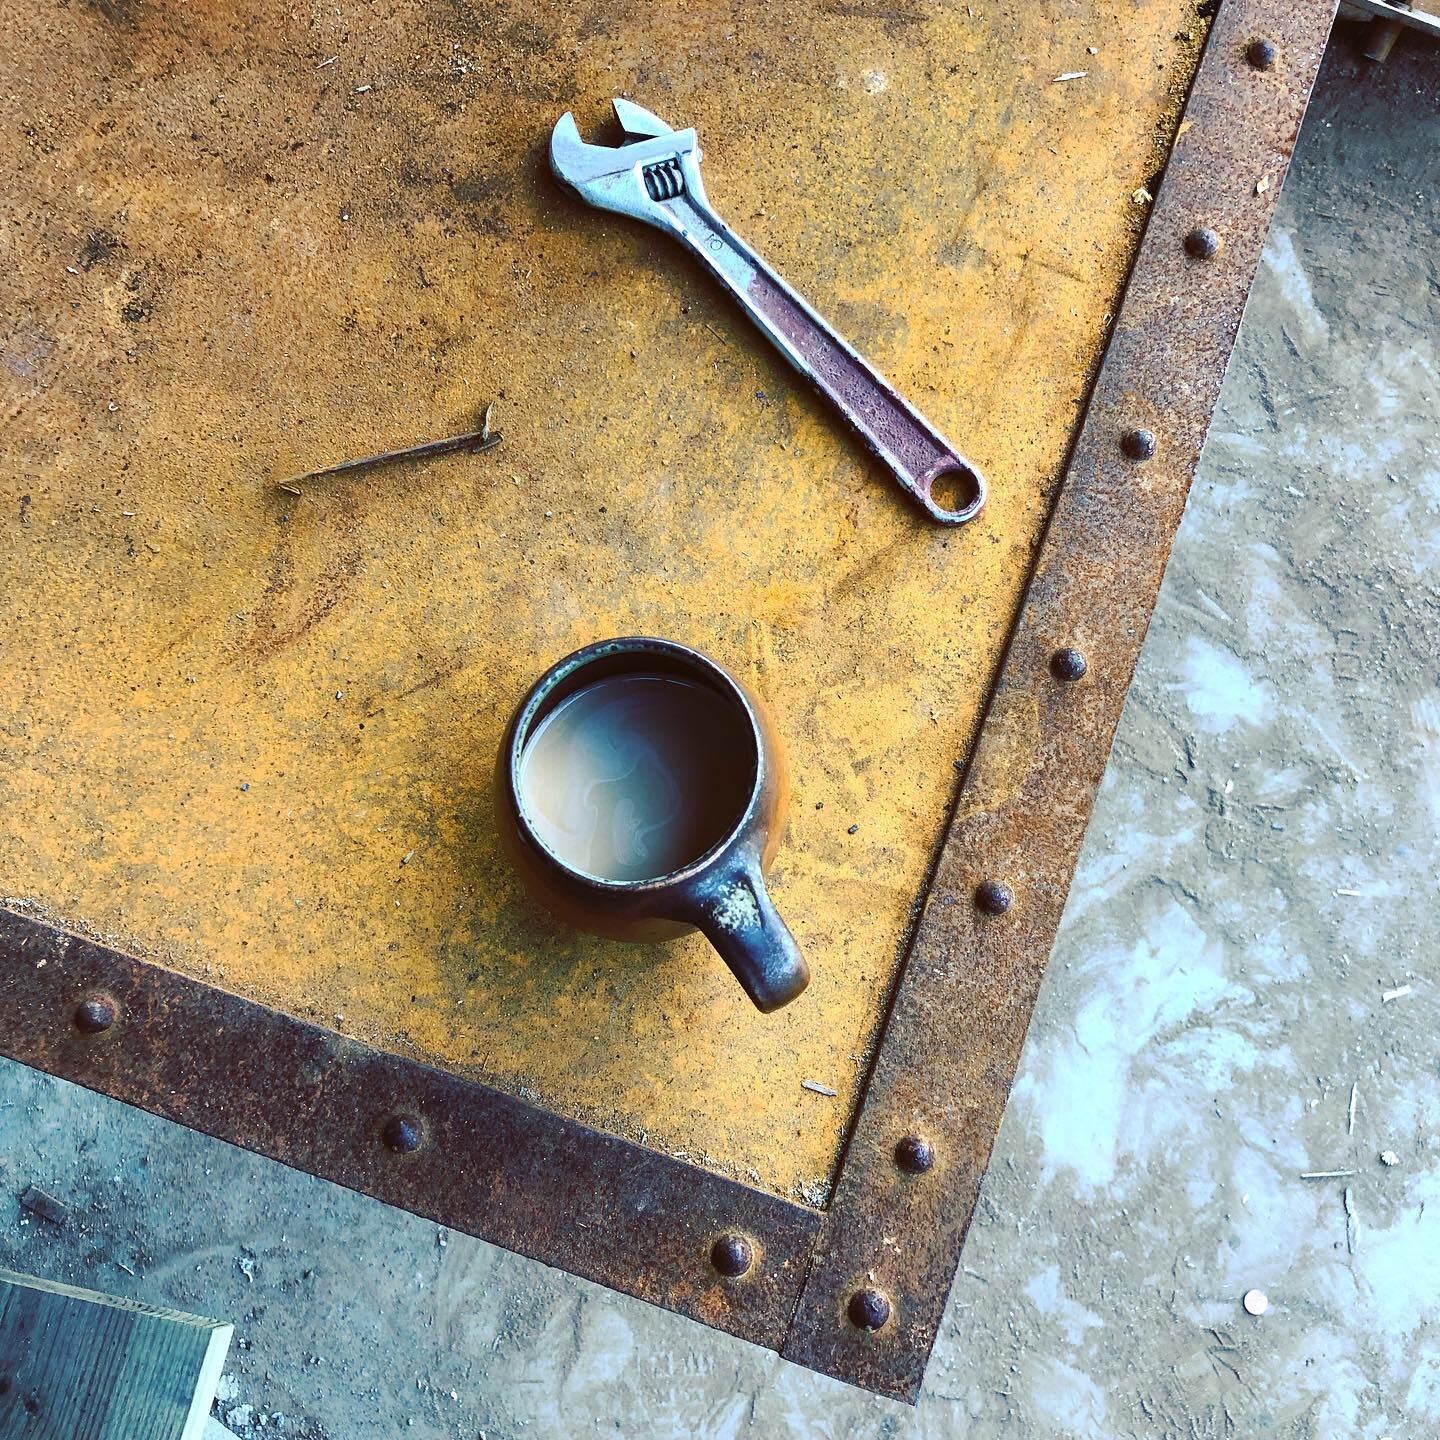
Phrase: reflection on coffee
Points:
(636, 776)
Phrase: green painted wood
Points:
(77, 1365)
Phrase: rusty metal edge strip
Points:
(887, 1255)
(464, 1155)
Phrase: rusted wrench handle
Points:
(914, 451)
(655, 177)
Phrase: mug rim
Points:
(561, 671)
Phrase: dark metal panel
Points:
(463, 1154)
(892, 1238)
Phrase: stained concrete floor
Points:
(1260, 873)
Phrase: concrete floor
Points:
(1260, 872)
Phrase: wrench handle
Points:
(911, 448)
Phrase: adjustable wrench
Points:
(654, 175)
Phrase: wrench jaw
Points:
(645, 124)
(615, 177)
(637, 120)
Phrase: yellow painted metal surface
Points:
(252, 735)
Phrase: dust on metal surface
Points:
(466, 1156)
(247, 246)
(968, 987)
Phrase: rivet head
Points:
(993, 898)
(1068, 665)
(1138, 444)
(914, 1154)
(732, 1255)
(95, 1015)
(869, 1308)
(402, 1134)
(1202, 243)
(1261, 53)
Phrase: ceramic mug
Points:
(735, 786)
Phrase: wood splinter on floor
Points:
(482, 439)
(47, 1207)
(817, 1087)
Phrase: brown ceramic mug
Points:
(699, 751)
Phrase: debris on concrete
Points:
(1256, 1302)
(817, 1088)
(47, 1207)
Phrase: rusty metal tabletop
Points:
(247, 736)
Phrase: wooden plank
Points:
(78, 1365)
(1423, 15)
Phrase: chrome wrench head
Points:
(653, 166)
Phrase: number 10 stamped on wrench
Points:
(655, 176)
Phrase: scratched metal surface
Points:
(227, 260)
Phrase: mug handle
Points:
(732, 908)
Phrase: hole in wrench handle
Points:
(952, 491)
